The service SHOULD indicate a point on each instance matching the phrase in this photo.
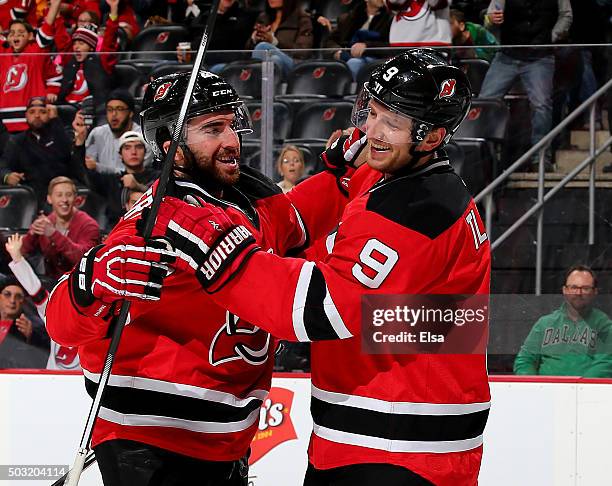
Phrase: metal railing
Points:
(543, 198)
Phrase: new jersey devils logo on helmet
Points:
(16, 78)
(447, 88)
(162, 91)
(237, 340)
(162, 38)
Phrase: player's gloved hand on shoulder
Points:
(129, 268)
(207, 242)
(340, 157)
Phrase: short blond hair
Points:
(60, 180)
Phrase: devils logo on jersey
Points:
(80, 84)
(16, 78)
(236, 340)
(415, 9)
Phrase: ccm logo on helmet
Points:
(448, 88)
(222, 92)
(162, 91)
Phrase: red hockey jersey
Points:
(25, 75)
(17, 9)
(189, 376)
(410, 234)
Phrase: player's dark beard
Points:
(203, 171)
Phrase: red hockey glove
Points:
(130, 268)
(341, 155)
(206, 241)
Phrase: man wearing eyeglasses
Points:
(575, 339)
(21, 333)
(101, 149)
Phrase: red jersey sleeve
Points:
(109, 44)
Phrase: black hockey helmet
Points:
(164, 96)
(422, 86)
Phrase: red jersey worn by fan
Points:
(410, 234)
(17, 9)
(189, 376)
(24, 75)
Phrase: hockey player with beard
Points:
(189, 377)
(410, 228)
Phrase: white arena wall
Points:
(541, 432)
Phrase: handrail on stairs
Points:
(487, 192)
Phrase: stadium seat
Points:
(282, 120)
(245, 77)
(475, 70)
(317, 120)
(364, 73)
(159, 42)
(129, 77)
(319, 79)
(170, 68)
(487, 119)
(92, 204)
(476, 163)
(18, 207)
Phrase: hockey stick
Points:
(84, 454)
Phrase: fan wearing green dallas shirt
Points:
(574, 340)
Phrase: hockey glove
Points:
(340, 157)
(129, 268)
(206, 241)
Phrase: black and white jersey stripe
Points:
(134, 400)
(398, 426)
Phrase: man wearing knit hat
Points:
(115, 188)
(85, 72)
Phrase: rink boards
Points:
(544, 432)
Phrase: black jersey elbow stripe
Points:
(315, 316)
(210, 412)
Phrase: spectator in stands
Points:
(64, 235)
(290, 166)
(17, 10)
(133, 197)
(419, 22)
(114, 188)
(232, 29)
(24, 342)
(575, 339)
(528, 22)
(60, 357)
(87, 73)
(23, 75)
(42, 152)
(284, 25)
(87, 17)
(73, 10)
(126, 17)
(102, 144)
(472, 37)
(365, 26)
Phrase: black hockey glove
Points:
(340, 157)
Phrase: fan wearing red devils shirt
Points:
(189, 377)
(25, 73)
(410, 227)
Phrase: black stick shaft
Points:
(72, 478)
